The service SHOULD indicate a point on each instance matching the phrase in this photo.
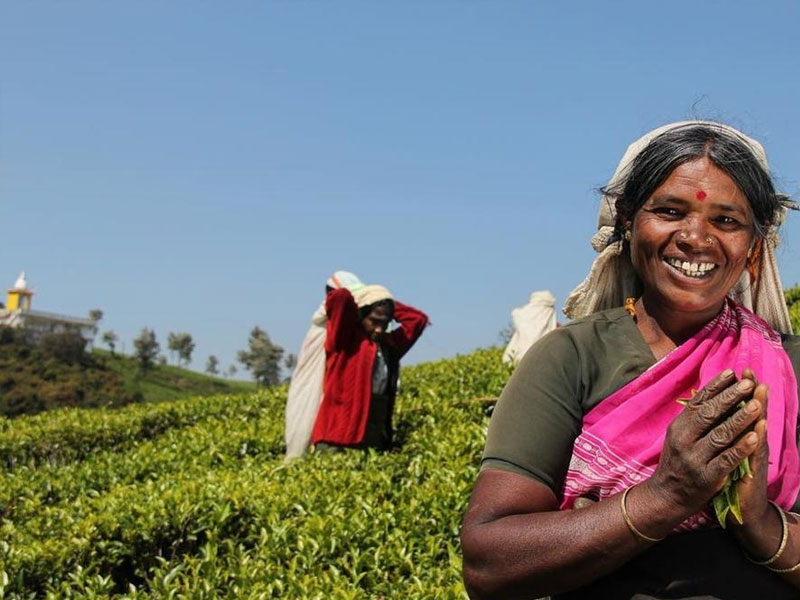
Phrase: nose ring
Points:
(683, 236)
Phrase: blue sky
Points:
(204, 166)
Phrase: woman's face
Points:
(376, 323)
(690, 239)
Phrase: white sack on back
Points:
(530, 322)
(305, 389)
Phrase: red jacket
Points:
(350, 356)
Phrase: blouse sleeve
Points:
(539, 414)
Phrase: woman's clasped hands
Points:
(722, 424)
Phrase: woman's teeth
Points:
(690, 269)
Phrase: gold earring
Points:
(627, 235)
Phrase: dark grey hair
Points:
(686, 143)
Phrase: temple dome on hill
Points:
(18, 314)
(21, 283)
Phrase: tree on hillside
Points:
(505, 334)
(109, 338)
(146, 348)
(186, 349)
(793, 302)
(173, 343)
(212, 365)
(290, 362)
(231, 370)
(96, 314)
(262, 358)
(182, 344)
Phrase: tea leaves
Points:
(192, 499)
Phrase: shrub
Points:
(793, 302)
(66, 346)
(55, 372)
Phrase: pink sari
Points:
(620, 443)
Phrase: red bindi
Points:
(701, 195)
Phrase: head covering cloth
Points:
(370, 294)
(340, 279)
(612, 278)
(344, 279)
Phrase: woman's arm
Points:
(412, 324)
(342, 319)
(517, 544)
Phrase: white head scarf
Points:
(344, 279)
(340, 279)
(370, 294)
(612, 279)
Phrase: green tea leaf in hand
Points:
(727, 500)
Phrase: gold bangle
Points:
(789, 570)
(629, 523)
(781, 546)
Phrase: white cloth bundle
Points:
(530, 322)
(305, 389)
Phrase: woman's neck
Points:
(664, 328)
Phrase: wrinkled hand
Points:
(707, 441)
(753, 490)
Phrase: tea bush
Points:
(793, 302)
(192, 499)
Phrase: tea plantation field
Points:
(192, 499)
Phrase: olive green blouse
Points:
(532, 431)
(562, 377)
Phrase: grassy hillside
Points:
(38, 377)
(165, 382)
(192, 499)
(58, 373)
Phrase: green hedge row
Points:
(206, 507)
(65, 435)
(212, 443)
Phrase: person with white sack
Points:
(305, 389)
(362, 363)
(530, 322)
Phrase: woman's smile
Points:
(693, 270)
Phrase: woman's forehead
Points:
(381, 311)
(703, 181)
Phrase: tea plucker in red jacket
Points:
(361, 366)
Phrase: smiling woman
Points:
(690, 251)
(616, 431)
